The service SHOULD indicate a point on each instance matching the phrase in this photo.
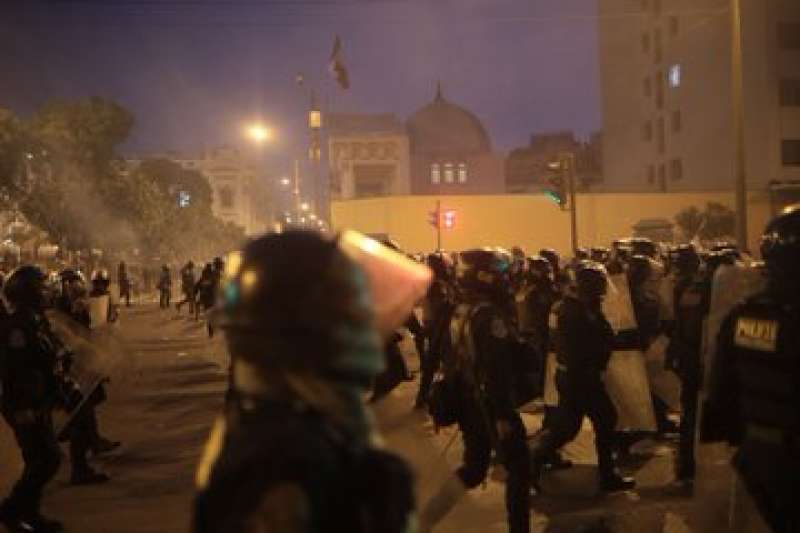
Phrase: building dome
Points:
(444, 129)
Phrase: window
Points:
(676, 169)
(645, 5)
(651, 174)
(646, 43)
(789, 35)
(790, 152)
(675, 76)
(462, 172)
(662, 177)
(659, 51)
(648, 87)
(676, 121)
(225, 197)
(647, 131)
(790, 93)
(448, 172)
(661, 136)
(660, 90)
(673, 26)
(436, 174)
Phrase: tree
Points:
(690, 220)
(716, 222)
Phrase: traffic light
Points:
(556, 189)
(433, 218)
(449, 219)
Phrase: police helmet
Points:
(540, 266)
(440, 264)
(600, 254)
(591, 281)
(644, 246)
(25, 288)
(552, 257)
(294, 300)
(780, 244)
(582, 254)
(100, 275)
(640, 269)
(686, 260)
(482, 269)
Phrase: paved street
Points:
(168, 381)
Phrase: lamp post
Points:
(737, 93)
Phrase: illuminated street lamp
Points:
(259, 133)
(285, 182)
(312, 216)
(305, 206)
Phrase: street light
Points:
(259, 133)
(304, 206)
(312, 216)
(285, 182)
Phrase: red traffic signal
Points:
(449, 219)
(433, 218)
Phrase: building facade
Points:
(441, 149)
(667, 100)
(236, 195)
(526, 168)
(368, 156)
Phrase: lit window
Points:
(436, 174)
(462, 173)
(675, 76)
(448, 172)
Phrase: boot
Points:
(441, 503)
(88, 477)
(102, 445)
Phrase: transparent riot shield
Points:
(626, 376)
(98, 311)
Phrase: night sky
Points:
(194, 71)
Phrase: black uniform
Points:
(272, 446)
(584, 344)
(481, 364)
(438, 310)
(692, 298)
(754, 403)
(28, 365)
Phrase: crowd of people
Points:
(313, 324)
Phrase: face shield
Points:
(396, 282)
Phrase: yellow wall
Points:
(530, 221)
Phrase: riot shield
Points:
(731, 285)
(626, 376)
(98, 311)
(664, 383)
(617, 305)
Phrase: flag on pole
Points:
(337, 67)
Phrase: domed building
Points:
(442, 149)
(451, 152)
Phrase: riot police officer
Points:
(438, 307)
(28, 373)
(295, 449)
(480, 368)
(691, 301)
(753, 399)
(584, 344)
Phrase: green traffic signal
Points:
(554, 196)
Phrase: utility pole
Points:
(568, 169)
(737, 93)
